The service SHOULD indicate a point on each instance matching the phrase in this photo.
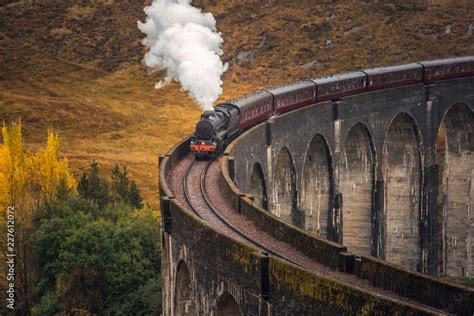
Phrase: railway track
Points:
(198, 209)
(233, 227)
(187, 194)
(198, 201)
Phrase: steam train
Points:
(218, 127)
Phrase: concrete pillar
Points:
(379, 230)
(428, 215)
(335, 225)
(270, 193)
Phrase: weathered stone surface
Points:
(402, 175)
(454, 149)
(316, 187)
(356, 181)
(258, 186)
(284, 187)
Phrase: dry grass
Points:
(80, 12)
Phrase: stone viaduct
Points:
(387, 175)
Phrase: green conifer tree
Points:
(120, 184)
(63, 191)
(93, 187)
(134, 196)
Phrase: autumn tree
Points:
(87, 252)
(27, 180)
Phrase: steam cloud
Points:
(184, 41)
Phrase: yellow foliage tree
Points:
(26, 181)
(27, 177)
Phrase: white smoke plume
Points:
(184, 41)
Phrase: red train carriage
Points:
(339, 86)
(391, 77)
(293, 96)
(254, 108)
(448, 68)
(217, 128)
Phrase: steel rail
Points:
(233, 227)
(185, 188)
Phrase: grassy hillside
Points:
(75, 65)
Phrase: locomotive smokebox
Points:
(205, 129)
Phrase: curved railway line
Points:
(233, 227)
(195, 185)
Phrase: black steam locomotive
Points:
(218, 127)
(215, 130)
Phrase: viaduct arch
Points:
(317, 186)
(284, 188)
(227, 306)
(184, 301)
(357, 181)
(454, 160)
(258, 186)
(401, 172)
